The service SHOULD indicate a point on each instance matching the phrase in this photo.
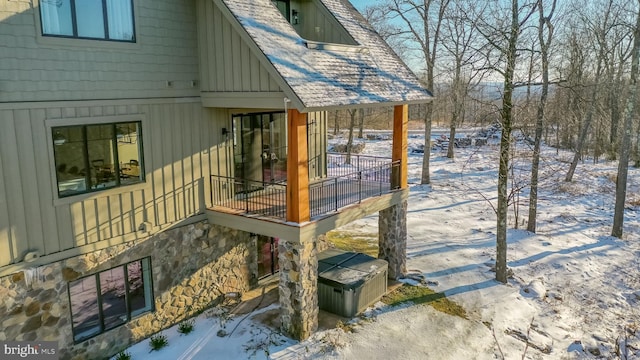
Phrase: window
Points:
(88, 19)
(94, 157)
(110, 298)
(284, 7)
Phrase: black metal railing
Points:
(251, 197)
(349, 181)
(340, 164)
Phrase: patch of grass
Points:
(186, 327)
(366, 243)
(346, 327)
(158, 341)
(424, 295)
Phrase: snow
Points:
(574, 293)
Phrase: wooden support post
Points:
(297, 168)
(400, 149)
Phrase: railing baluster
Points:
(372, 174)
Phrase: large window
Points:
(110, 298)
(94, 157)
(88, 19)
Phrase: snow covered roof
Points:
(319, 76)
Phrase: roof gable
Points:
(318, 76)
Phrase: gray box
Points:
(349, 282)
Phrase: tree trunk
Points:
(625, 147)
(336, 127)
(587, 123)
(426, 178)
(535, 163)
(360, 123)
(452, 138)
(352, 121)
(505, 142)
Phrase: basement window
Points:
(110, 298)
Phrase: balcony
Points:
(350, 180)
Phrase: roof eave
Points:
(365, 105)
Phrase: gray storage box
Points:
(348, 282)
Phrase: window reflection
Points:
(87, 11)
(56, 17)
(110, 298)
(94, 157)
(88, 19)
(84, 307)
(139, 276)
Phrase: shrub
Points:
(158, 341)
(186, 327)
(123, 355)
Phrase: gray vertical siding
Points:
(226, 62)
(181, 148)
(41, 68)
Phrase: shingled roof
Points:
(317, 77)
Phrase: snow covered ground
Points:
(574, 293)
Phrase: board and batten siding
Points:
(182, 144)
(227, 64)
(318, 24)
(163, 62)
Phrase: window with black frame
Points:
(110, 298)
(95, 157)
(88, 19)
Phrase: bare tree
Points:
(458, 40)
(502, 40)
(421, 21)
(623, 165)
(544, 22)
(600, 30)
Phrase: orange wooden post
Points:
(400, 149)
(297, 168)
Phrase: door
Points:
(267, 255)
(260, 149)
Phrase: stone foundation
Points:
(392, 226)
(192, 267)
(298, 287)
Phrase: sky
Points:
(361, 4)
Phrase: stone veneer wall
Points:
(298, 287)
(392, 228)
(192, 266)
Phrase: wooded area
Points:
(558, 72)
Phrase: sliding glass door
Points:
(260, 147)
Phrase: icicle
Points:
(29, 274)
(33, 275)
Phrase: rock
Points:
(17, 277)
(68, 274)
(32, 324)
(32, 309)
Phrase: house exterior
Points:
(156, 155)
